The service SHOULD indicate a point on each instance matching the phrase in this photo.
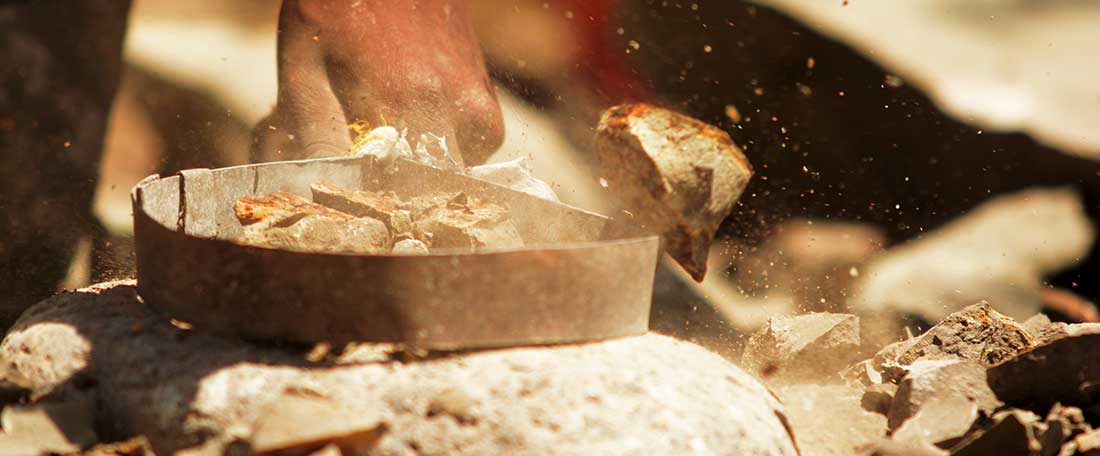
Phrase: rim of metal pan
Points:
(581, 277)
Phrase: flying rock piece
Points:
(279, 205)
(384, 206)
(319, 233)
(805, 347)
(680, 177)
(930, 380)
(1065, 370)
(977, 333)
(1013, 432)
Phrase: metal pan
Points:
(580, 277)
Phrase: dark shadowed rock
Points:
(1065, 370)
(1012, 432)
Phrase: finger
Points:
(307, 106)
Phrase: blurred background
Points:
(912, 156)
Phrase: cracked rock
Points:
(805, 347)
(931, 380)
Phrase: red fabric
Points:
(602, 64)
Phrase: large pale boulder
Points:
(182, 388)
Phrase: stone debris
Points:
(939, 422)
(319, 233)
(977, 333)
(637, 395)
(931, 380)
(384, 206)
(999, 251)
(1064, 370)
(364, 222)
(813, 346)
(280, 205)
(678, 176)
(463, 222)
(828, 419)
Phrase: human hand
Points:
(412, 64)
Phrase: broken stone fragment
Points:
(678, 176)
(279, 205)
(929, 380)
(1065, 370)
(940, 422)
(1045, 331)
(813, 346)
(384, 206)
(977, 333)
(828, 419)
(1012, 432)
(320, 233)
(410, 247)
(463, 222)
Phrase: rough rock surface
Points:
(977, 333)
(643, 395)
(930, 380)
(828, 420)
(806, 347)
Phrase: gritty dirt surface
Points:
(642, 395)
